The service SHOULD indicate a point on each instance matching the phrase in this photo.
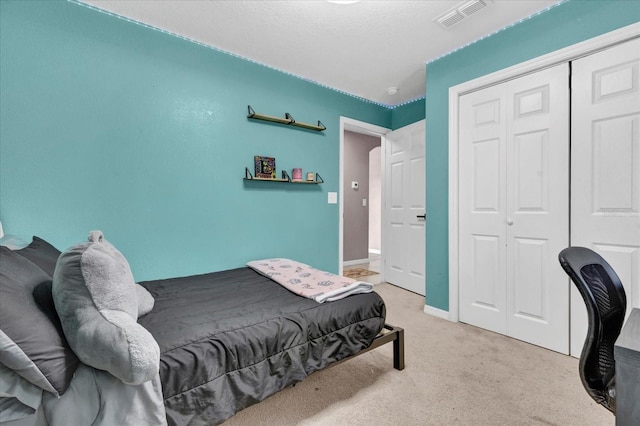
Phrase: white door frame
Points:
(357, 126)
(559, 56)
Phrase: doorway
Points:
(362, 209)
(360, 132)
(361, 197)
(402, 249)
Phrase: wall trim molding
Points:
(430, 310)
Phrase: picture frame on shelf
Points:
(265, 167)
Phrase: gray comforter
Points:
(93, 397)
(230, 339)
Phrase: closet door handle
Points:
(421, 216)
(509, 222)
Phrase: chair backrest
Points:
(606, 304)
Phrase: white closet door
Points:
(482, 211)
(605, 169)
(513, 216)
(538, 207)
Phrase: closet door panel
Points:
(538, 207)
(625, 260)
(528, 290)
(605, 168)
(531, 172)
(486, 267)
(482, 209)
(615, 166)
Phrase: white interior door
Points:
(605, 169)
(513, 208)
(404, 204)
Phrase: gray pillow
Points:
(32, 345)
(42, 254)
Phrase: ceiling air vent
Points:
(450, 18)
(471, 7)
(460, 12)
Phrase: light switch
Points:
(364, 202)
(332, 197)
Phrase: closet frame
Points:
(566, 54)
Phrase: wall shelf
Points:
(288, 120)
(285, 178)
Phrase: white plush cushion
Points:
(96, 298)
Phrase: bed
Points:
(227, 340)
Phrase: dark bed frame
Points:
(389, 333)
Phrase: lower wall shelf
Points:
(285, 178)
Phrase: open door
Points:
(403, 229)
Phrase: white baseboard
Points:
(430, 310)
(354, 262)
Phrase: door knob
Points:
(509, 222)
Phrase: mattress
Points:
(230, 339)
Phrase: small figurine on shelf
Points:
(265, 167)
(311, 176)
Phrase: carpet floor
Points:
(455, 374)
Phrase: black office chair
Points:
(606, 303)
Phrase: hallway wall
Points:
(356, 216)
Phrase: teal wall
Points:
(107, 124)
(564, 25)
(110, 125)
(407, 113)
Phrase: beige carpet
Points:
(356, 273)
(455, 374)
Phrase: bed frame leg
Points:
(398, 350)
(388, 334)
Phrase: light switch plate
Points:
(332, 197)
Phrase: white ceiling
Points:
(361, 49)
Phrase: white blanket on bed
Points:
(309, 282)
